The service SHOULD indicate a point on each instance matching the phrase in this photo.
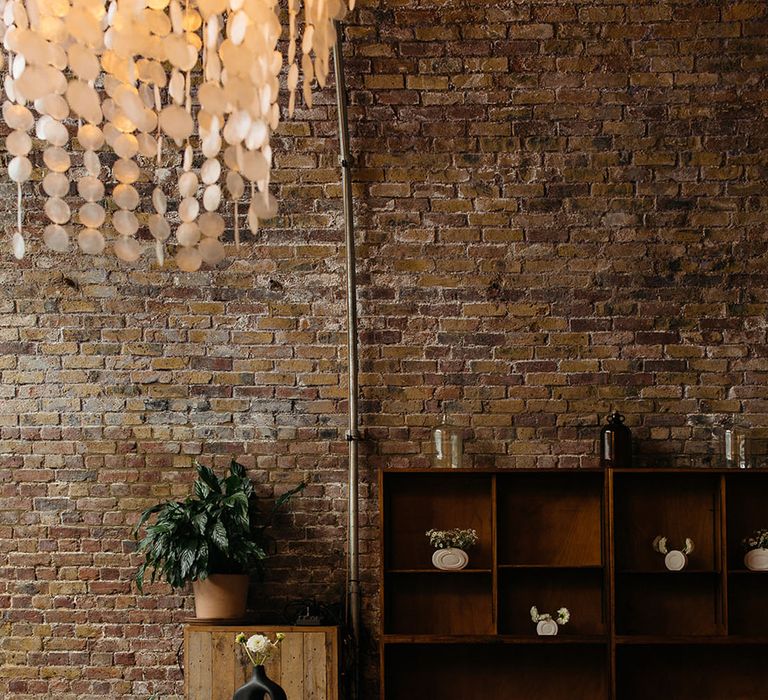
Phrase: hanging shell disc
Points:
(176, 122)
(188, 184)
(90, 188)
(188, 234)
(84, 100)
(159, 227)
(56, 238)
(18, 143)
(212, 197)
(125, 222)
(54, 106)
(19, 169)
(189, 259)
(211, 224)
(57, 210)
(56, 159)
(210, 171)
(92, 163)
(18, 246)
(91, 138)
(91, 215)
(17, 116)
(212, 251)
(56, 185)
(55, 133)
(147, 145)
(126, 146)
(125, 196)
(189, 209)
(159, 201)
(126, 171)
(127, 249)
(91, 241)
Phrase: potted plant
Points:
(546, 626)
(213, 539)
(259, 648)
(756, 546)
(450, 546)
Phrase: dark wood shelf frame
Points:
(580, 539)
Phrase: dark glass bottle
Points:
(260, 687)
(615, 443)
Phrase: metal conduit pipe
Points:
(353, 435)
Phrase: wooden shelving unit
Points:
(582, 539)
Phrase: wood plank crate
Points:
(306, 663)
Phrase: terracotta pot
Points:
(221, 596)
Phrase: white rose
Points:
(259, 644)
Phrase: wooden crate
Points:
(306, 664)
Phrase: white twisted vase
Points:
(450, 559)
(675, 560)
(546, 628)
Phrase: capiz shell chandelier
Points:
(140, 77)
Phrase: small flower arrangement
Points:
(258, 647)
(660, 545)
(447, 539)
(563, 615)
(757, 540)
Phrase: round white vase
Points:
(675, 560)
(450, 559)
(756, 560)
(546, 628)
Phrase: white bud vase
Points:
(675, 560)
(546, 628)
(756, 560)
(450, 559)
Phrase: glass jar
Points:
(735, 446)
(449, 445)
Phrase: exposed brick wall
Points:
(561, 208)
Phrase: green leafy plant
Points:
(218, 530)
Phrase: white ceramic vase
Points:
(756, 559)
(450, 559)
(546, 628)
(675, 560)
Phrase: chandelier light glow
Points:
(141, 77)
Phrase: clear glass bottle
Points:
(735, 446)
(733, 442)
(449, 445)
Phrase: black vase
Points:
(616, 443)
(260, 687)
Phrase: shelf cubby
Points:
(746, 498)
(550, 519)
(417, 503)
(747, 610)
(502, 672)
(690, 672)
(671, 603)
(440, 604)
(580, 590)
(676, 505)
